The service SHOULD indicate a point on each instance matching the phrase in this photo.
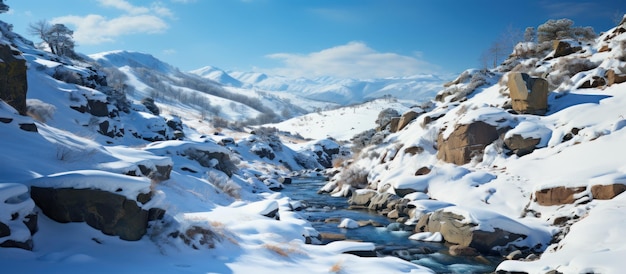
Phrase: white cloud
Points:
(183, 1)
(125, 6)
(96, 29)
(169, 51)
(352, 60)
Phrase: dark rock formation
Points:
(13, 82)
(520, 145)
(563, 48)
(111, 213)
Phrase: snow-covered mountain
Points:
(143, 75)
(520, 166)
(418, 88)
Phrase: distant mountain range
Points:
(330, 89)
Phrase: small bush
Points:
(353, 176)
(40, 110)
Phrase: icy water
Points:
(321, 207)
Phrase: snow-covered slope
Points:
(342, 123)
(215, 95)
(553, 188)
(205, 207)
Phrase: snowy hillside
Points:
(530, 153)
(417, 88)
(342, 123)
(94, 179)
(143, 76)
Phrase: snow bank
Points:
(128, 186)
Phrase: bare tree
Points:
(501, 47)
(3, 7)
(57, 37)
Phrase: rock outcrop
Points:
(465, 142)
(111, 213)
(458, 230)
(563, 48)
(613, 77)
(13, 82)
(528, 94)
(607, 192)
(558, 195)
(406, 118)
(520, 145)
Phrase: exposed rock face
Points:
(558, 195)
(613, 77)
(528, 94)
(406, 118)
(455, 229)
(594, 82)
(381, 201)
(520, 145)
(607, 192)
(393, 124)
(218, 160)
(108, 212)
(13, 83)
(563, 48)
(361, 197)
(465, 142)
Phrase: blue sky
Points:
(344, 38)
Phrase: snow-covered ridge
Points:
(417, 88)
(541, 173)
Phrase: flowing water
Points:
(324, 212)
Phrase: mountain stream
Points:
(325, 213)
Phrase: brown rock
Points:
(528, 94)
(414, 150)
(596, 81)
(520, 145)
(13, 83)
(614, 78)
(604, 48)
(459, 250)
(557, 195)
(422, 171)
(406, 118)
(393, 124)
(607, 192)
(562, 48)
(465, 142)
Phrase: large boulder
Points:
(111, 213)
(406, 118)
(520, 145)
(465, 142)
(485, 231)
(607, 192)
(559, 195)
(613, 77)
(564, 48)
(528, 94)
(362, 197)
(13, 83)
